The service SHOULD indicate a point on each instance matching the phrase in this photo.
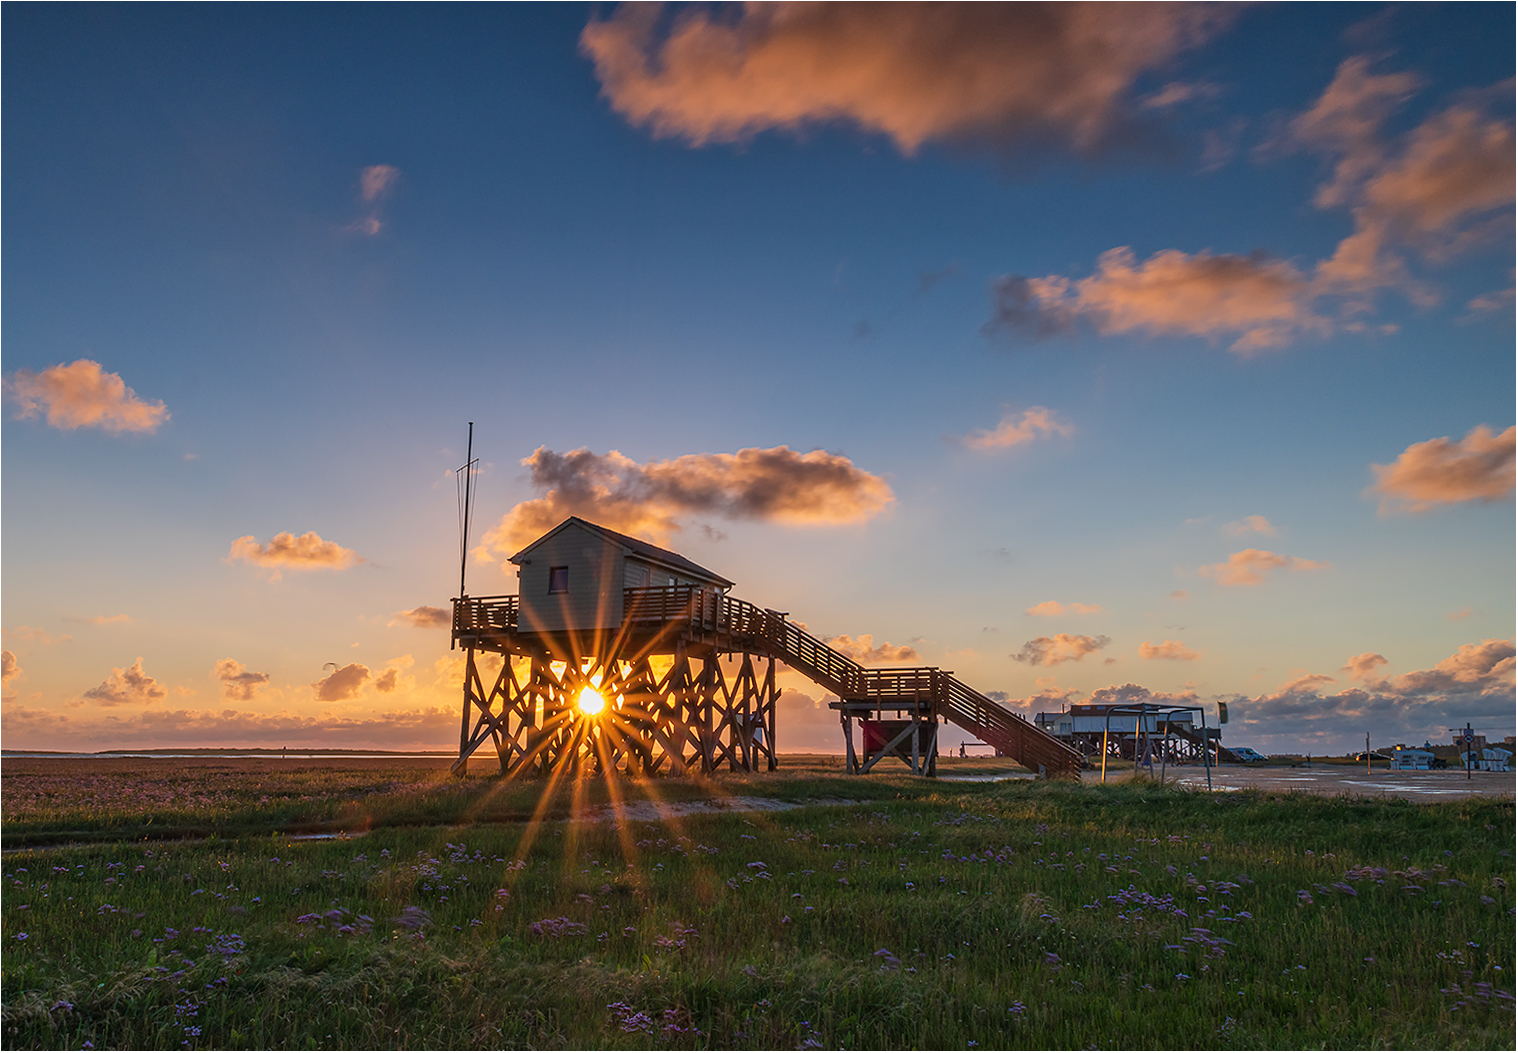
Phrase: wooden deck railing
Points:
(473, 615)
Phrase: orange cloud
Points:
(1437, 190)
(1363, 666)
(1053, 609)
(1061, 647)
(647, 500)
(342, 683)
(863, 650)
(1428, 190)
(101, 619)
(1258, 301)
(986, 73)
(1309, 682)
(1250, 524)
(424, 618)
(30, 634)
(239, 684)
(285, 550)
(1439, 472)
(1170, 650)
(127, 687)
(1458, 616)
(1484, 668)
(386, 681)
(1015, 429)
(1346, 120)
(82, 395)
(422, 728)
(9, 668)
(1250, 566)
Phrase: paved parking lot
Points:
(1331, 779)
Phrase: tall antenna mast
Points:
(468, 470)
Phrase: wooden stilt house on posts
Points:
(618, 654)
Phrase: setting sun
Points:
(590, 701)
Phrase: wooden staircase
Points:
(953, 699)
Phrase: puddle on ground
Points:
(341, 835)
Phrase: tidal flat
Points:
(183, 905)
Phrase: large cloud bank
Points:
(991, 74)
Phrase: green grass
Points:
(49, 802)
(1012, 915)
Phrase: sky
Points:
(1093, 353)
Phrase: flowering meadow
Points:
(990, 915)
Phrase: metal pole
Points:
(1469, 739)
(1105, 728)
(1205, 759)
(1164, 751)
(1367, 753)
(468, 478)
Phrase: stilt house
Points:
(573, 577)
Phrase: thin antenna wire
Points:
(465, 486)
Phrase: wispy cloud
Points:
(374, 185)
(99, 619)
(1169, 650)
(1053, 609)
(1250, 567)
(1427, 191)
(1061, 647)
(1479, 467)
(989, 74)
(82, 395)
(1250, 525)
(649, 500)
(1016, 428)
(31, 634)
(376, 180)
(10, 669)
(424, 618)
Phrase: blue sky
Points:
(325, 238)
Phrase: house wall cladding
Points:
(596, 574)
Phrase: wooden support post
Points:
(770, 705)
(917, 766)
(850, 764)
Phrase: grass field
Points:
(920, 914)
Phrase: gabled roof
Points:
(635, 547)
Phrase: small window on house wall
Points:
(558, 579)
